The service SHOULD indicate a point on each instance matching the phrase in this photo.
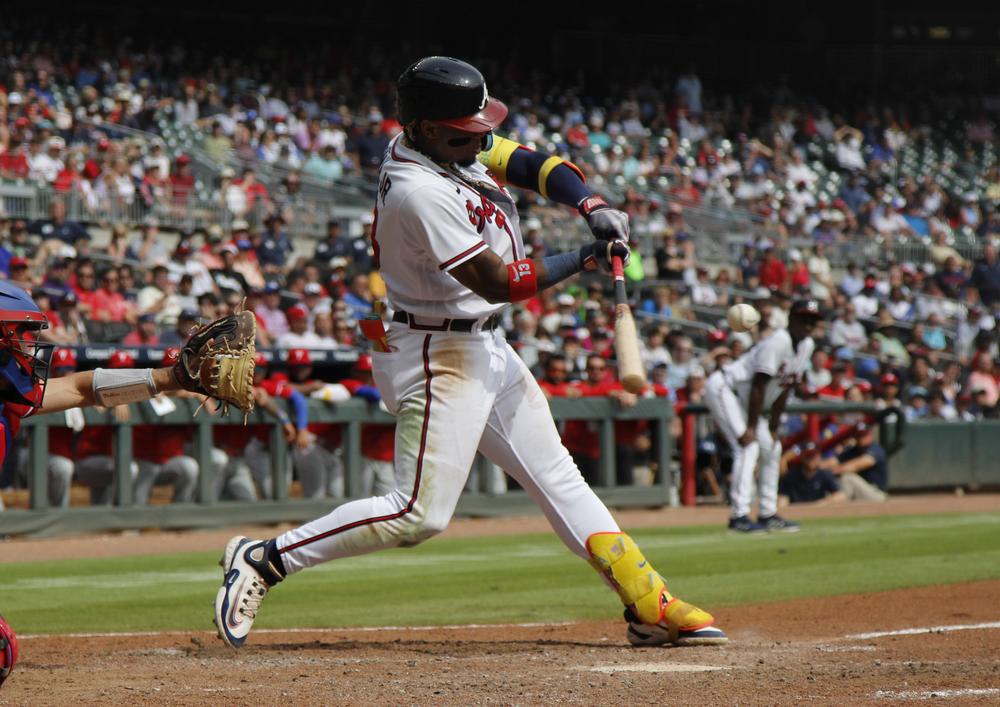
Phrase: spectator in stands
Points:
(772, 272)
(109, 304)
(145, 334)
(324, 164)
(270, 313)
(852, 282)
(334, 245)
(862, 468)
(275, 245)
(748, 267)
(227, 278)
(866, 303)
(299, 334)
(359, 297)
(672, 259)
(847, 331)
(986, 276)
(890, 346)
(57, 226)
(186, 321)
(820, 274)
(916, 406)
(808, 482)
(983, 383)
(682, 360)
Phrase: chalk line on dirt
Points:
(936, 694)
(332, 629)
(651, 668)
(923, 629)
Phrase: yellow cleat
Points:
(682, 624)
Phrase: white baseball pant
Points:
(453, 394)
(730, 415)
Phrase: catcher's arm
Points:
(77, 390)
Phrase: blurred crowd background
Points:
(151, 183)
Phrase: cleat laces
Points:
(252, 599)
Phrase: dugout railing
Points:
(40, 519)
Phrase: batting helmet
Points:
(8, 649)
(364, 363)
(121, 359)
(806, 308)
(23, 359)
(63, 359)
(299, 357)
(448, 91)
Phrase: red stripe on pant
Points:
(416, 483)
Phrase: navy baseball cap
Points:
(272, 286)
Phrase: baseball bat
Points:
(630, 370)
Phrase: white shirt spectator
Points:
(865, 305)
(820, 273)
(44, 167)
(849, 154)
(291, 340)
(849, 334)
(186, 111)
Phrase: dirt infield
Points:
(837, 650)
(804, 651)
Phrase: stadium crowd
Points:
(920, 335)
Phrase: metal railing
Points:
(206, 512)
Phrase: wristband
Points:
(522, 280)
(113, 386)
(590, 204)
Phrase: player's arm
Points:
(754, 407)
(496, 281)
(778, 409)
(856, 465)
(556, 179)
(106, 387)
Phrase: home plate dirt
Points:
(802, 651)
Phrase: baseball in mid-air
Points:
(742, 317)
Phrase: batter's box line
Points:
(916, 631)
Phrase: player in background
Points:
(740, 392)
(378, 442)
(448, 244)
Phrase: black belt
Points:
(464, 325)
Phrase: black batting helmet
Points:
(448, 91)
(806, 308)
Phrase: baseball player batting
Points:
(739, 392)
(448, 242)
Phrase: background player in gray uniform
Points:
(738, 393)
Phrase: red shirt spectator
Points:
(772, 274)
(109, 305)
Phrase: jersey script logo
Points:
(486, 212)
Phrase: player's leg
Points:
(181, 472)
(312, 465)
(521, 438)
(97, 473)
(238, 484)
(60, 478)
(142, 489)
(441, 388)
(729, 415)
(770, 461)
(258, 458)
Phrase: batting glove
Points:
(599, 254)
(606, 223)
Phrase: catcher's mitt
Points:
(218, 361)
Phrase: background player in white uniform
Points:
(737, 394)
(449, 247)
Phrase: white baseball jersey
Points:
(774, 356)
(428, 221)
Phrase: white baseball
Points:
(742, 317)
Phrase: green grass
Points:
(507, 579)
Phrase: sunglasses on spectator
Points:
(596, 368)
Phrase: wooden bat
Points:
(630, 370)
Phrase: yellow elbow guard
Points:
(497, 157)
(641, 588)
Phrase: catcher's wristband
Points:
(123, 386)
